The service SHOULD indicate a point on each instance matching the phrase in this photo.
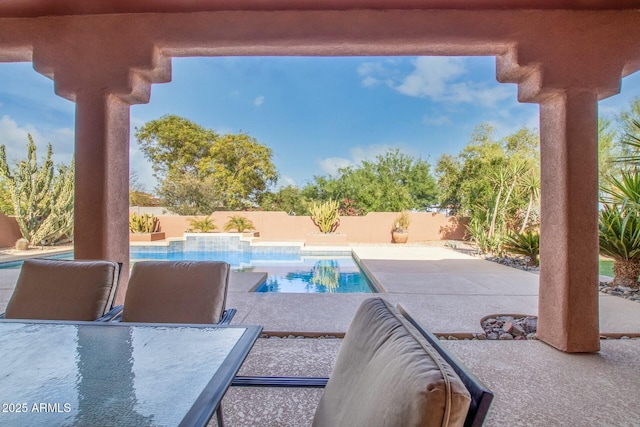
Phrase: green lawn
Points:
(606, 267)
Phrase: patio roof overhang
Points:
(565, 55)
(36, 8)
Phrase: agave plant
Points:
(527, 244)
(620, 240)
(239, 223)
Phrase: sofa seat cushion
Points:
(63, 290)
(387, 374)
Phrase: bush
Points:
(527, 244)
(238, 223)
(203, 225)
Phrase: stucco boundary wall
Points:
(375, 227)
(9, 231)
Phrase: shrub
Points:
(620, 239)
(238, 223)
(203, 225)
(527, 244)
(402, 221)
(325, 216)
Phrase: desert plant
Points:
(22, 244)
(620, 240)
(402, 221)
(203, 225)
(527, 244)
(325, 216)
(42, 200)
(145, 223)
(238, 223)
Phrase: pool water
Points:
(286, 273)
(315, 275)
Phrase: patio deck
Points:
(449, 292)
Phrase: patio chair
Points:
(390, 371)
(177, 292)
(52, 289)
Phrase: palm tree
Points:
(620, 240)
(238, 223)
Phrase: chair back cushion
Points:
(387, 374)
(63, 290)
(176, 292)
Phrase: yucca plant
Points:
(325, 216)
(620, 240)
(239, 223)
(203, 225)
(527, 244)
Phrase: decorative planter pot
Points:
(146, 237)
(399, 236)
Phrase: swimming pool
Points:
(286, 272)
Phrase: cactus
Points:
(146, 223)
(42, 200)
(325, 216)
(22, 244)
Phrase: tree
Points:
(42, 200)
(200, 171)
(288, 199)
(392, 182)
(495, 183)
(137, 195)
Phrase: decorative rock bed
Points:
(620, 291)
(510, 327)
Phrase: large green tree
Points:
(288, 199)
(494, 182)
(200, 171)
(394, 181)
(42, 200)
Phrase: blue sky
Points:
(316, 114)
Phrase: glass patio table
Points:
(116, 374)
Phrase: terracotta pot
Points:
(399, 236)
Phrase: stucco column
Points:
(102, 180)
(568, 299)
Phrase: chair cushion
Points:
(176, 292)
(63, 290)
(387, 374)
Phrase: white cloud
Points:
(357, 155)
(258, 101)
(14, 138)
(431, 76)
(439, 78)
(437, 120)
(331, 165)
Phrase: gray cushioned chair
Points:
(177, 292)
(52, 289)
(391, 372)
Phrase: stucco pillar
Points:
(568, 299)
(102, 180)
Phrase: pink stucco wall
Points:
(375, 227)
(9, 231)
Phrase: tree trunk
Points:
(626, 272)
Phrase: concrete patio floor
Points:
(448, 292)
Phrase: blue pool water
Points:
(286, 273)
